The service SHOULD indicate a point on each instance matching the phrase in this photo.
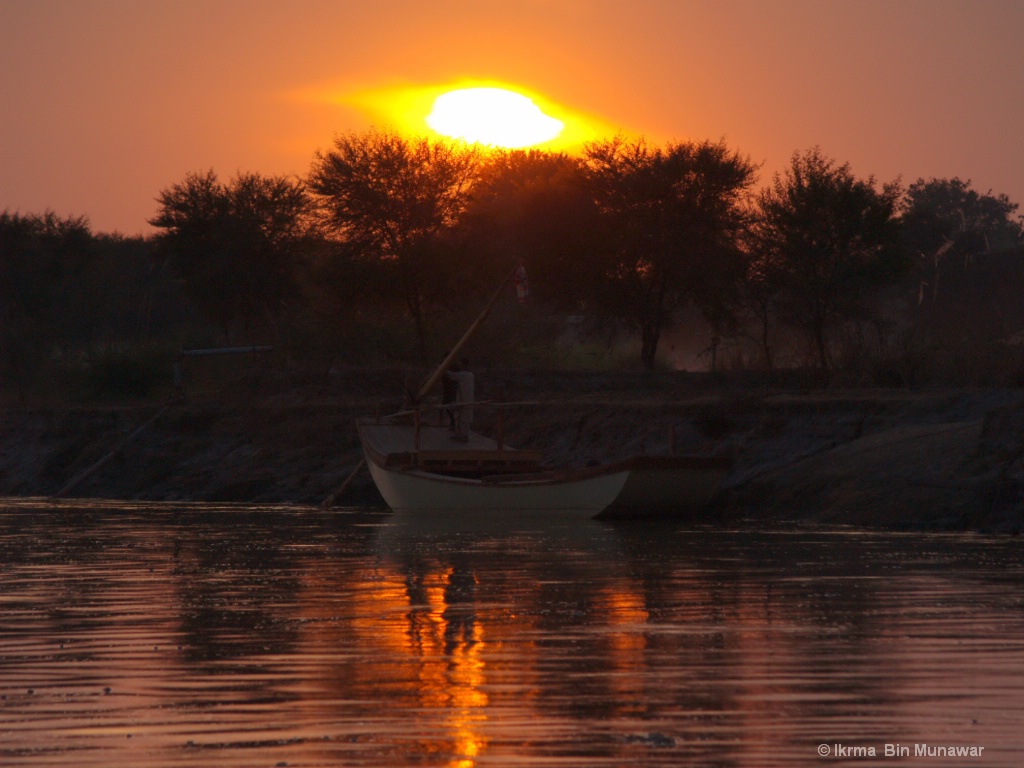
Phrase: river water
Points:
(153, 635)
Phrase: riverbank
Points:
(910, 460)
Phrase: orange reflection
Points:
(431, 649)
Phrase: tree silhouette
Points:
(42, 261)
(823, 239)
(235, 246)
(393, 198)
(536, 206)
(672, 218)
(945, 221)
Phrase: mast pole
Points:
(439, 372)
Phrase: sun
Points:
(497, 117)
(489, 112)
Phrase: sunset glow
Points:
(158, 89)
(493, 116)
(489, 112)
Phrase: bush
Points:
(117, 374)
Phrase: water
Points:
(160, 635)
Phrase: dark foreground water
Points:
(157, 635)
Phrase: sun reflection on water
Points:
(161, 637)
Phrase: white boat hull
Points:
(419, 470)
(563, 497)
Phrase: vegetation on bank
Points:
(637, 256)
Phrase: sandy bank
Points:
(923, 460)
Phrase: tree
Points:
(945, 221)
(236, 246)
(672, 219)
(394, 198)
(823, 239)
(42, 261)
(536, 206)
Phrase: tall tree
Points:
(672, 218)
(536, 206)
(394, 198)
(42, 262)
(236, 246)
(823, 240)
(945, 221)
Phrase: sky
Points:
(104, 103)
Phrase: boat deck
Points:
(397, 446)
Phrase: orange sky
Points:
(105, 102)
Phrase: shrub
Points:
(116, 374)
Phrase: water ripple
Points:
(160, 635)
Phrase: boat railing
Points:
(418, 413)
(441, 409)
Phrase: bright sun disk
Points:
(493, 116)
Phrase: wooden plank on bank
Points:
(332, 500)
(75, 481)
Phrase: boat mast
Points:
(435, 377)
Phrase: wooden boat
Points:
(418, 468)
(668, 485)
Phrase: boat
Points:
(418, 469)
(668, 485)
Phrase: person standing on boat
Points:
(449, 392)
(466, 383)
